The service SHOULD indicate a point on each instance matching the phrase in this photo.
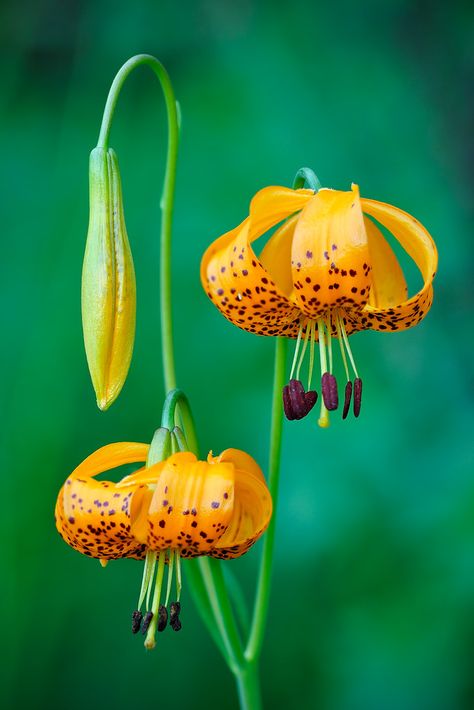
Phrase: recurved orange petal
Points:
(276, 256)
(273, 204)
(388, 287)
(235, 279)
(419, 245)
(252, 506)
(93, 516)
(190, 508)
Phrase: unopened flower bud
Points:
(108, 282)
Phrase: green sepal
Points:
(160, 447)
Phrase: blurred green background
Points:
(373, 599)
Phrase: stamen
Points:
(175, 609)
(311, 353)
(323, 420)
(329, 390)
(329, 340)
(137, 617)
(357, 396)
(162, 618)
(341, 345)
(347, 399)
(178, 574)
(150, 581)
(297, 347)
(150, 638)
(287, 406)
(296, 402)
(348, 347)
(150, 560)
(303, 351)
(170, 576)
(146, 622)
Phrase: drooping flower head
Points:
(325, 273)
(177, 508)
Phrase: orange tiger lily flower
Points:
(177, 508)
(326, 272)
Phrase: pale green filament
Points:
(329, 339)
(150, 560)
(323, 420)
(341, 345)
(311, 354)
(295, 356)
(178, 575)
(170, 576)
(150, 637)
(150, 581)
(303, 351)
(348, 347)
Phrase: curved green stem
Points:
(308, 176)
(176, 398)
(262, 596)
(167, 198)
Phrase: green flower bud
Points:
(108, 282)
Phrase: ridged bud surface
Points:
(108, 282)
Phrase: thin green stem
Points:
(262, 596)
(248, 687)
(216, 590)
(167, 198)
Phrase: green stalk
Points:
(167, 199)
(262, 596)
(308, 176)
(177, 399)
(248, 688)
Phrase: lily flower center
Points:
(298, 402)
(155, 615)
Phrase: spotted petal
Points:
(235, 279)
(252, 505)
(190, 508)
(330, 257)
(419, 245)
(93, 516)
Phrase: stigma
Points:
(298, 401)
(156, 615)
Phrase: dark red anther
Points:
(287, 408)
(297, 399)
(357, 396)
(175, 623)
(162, 618)
(137, 617)
(347, 399)
(296, 402)
(147, 621)
(329, 389)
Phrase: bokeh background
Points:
(373, 598)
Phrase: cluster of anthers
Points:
(297, 402)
